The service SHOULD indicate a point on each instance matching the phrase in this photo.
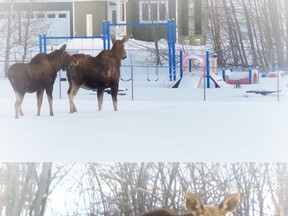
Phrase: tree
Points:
(10, 29)
(282, 175)
(22, 29)
(253, 33)
(42, 191)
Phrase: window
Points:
(198, 17)
(62, 15)
(123, 13)
(197, 42)
(40, 15)
(51, 16)
(114, 16)
(89, 25)
(162, 11)
(145, 11)
(153, 10)
(185, 17)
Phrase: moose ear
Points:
(63, 47)
(230, 203)
(113, 38)
(194, 204)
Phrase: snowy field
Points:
(159, 124)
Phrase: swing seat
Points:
(262, 92)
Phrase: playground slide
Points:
(218, 80)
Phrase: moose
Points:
(38, 75)
(196, 207)
(97, 73)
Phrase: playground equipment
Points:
(106, 26)
(171, 39)
(240, 77)
(208, 69)
(193, 61)
(43, 40)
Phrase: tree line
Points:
(131, 189)
(249, 32)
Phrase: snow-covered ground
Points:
(159, 124)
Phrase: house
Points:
(190, 17)
(84, 17)
(58, 15)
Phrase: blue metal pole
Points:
(40, 43)
(104, 35)
(250, 76)
(45, 43)
(169, 49)
(190, 65)
(181, 64)
(173, 33)
(208, 68)
(108, 34)
(224, 74)
(174, 45)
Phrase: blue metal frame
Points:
(43, 40)
(250, 76)
(181, 63)
(171, 35)
(208, 68)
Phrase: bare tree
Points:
(42, 191)
(32, 24)
(133, 188)
(22, 29)
(282, 174)
(10, 29)
(252, 32)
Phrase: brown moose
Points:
(100, 72)
(196, 207)
(38, 75)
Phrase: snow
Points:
(159, 124)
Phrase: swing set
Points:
(171, 40)
(106, 26)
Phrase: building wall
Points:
(98, 11)
(147, 33)
(191, 24)
(189, 16)
(45, 7)
(198, 22)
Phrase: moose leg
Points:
(72, 91)
(49, 91)
(100, 93)
(21, 112)
(39, 100)
(114, 92)
(18, 105)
